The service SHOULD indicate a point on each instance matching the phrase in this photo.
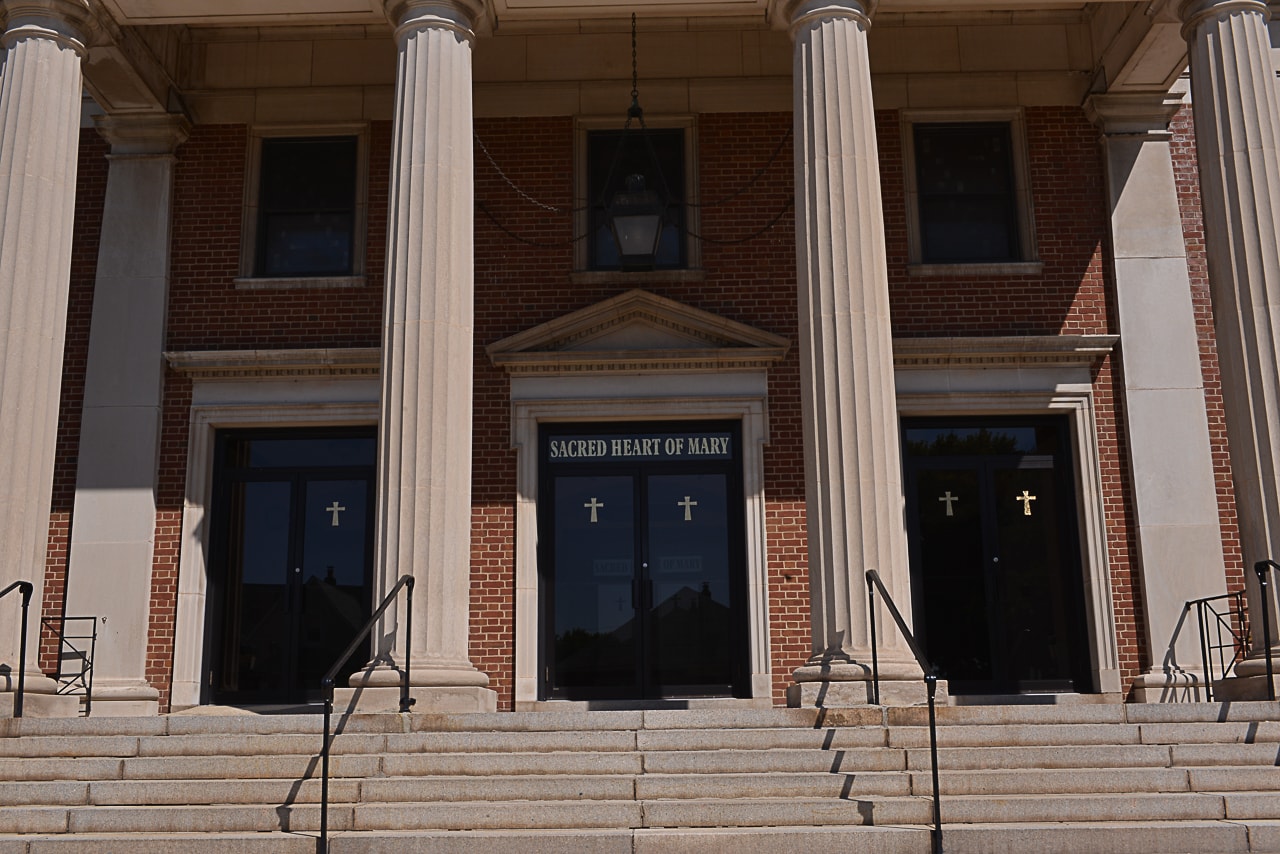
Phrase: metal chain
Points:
(635, 76)
(519, 192)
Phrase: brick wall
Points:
(523, 254)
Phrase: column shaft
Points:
(113, 523)
(424, 511)
(40, 93)
(852, 459)
(1175, 499)
(1237, 117)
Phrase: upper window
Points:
(304, 216)
(307, 207)
(967, 193)
(614, 159)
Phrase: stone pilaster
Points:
(1175, 502)
(1237, 117)
(40, 92)
(113, 523)
(424, 503)
(852, 460)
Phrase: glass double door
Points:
(642, 576)
(292, 561)
(996, 576)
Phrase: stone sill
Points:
(298, 284)
(1007, 268)
(639, 278)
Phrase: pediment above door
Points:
(637, 332)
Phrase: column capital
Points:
(143, 135)
(464, 17)
(796, 14)
(71, 23)
(1133, 114)
(1194, 12)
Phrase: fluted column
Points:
(1175, 500)
(424, 501)
(1237, 118)
(40, 92)
(114, 519)
(853, 481)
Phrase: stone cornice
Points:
(1002, 351)
(143, 134)
(276, 364)
(1132, 113)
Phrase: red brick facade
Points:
(524, 253)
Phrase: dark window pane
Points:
(306, 206)
(967, 193)
(658, 155)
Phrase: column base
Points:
(843, 683)
(124, 700)
(440, 699)
(41, 705)
(1237, 688)
(1175, 686)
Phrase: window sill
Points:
(637, 277)
(1002, 268)
(299, 284)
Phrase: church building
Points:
(635, 334)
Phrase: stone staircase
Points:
(1069, 778)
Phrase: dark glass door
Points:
(291, 560)
(642, 563)
(996, 578)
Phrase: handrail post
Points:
(322, 844)
(26, 588)
(875, 658)
(931, 684)
(405, 701)
(1261, 568)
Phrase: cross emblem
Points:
(688, 508)
(950, 499)
(593, 505)
(335, 508)
(1026, 498)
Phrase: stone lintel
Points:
(275, 364)
(1013, 350)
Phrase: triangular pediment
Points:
(637, 331)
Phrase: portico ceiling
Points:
(256, 12)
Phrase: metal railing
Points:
(26, 588)
(930, 684)
(75, 657)
(326, 684)
(1224, 629)
(1262, 568)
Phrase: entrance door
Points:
(291, 562)
(642, 562)
(996, 576)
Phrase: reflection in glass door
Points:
(290, 562)
(642, 563)
(996, 576)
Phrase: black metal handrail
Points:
(930, 684)
(1261, 568)
(26, 588)
(1221, 631)
(326, 684)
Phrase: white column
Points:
(1175, 503)
(1237, 118)
(40, 92)
(113, 522)
(853, 480)
(424, 502)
